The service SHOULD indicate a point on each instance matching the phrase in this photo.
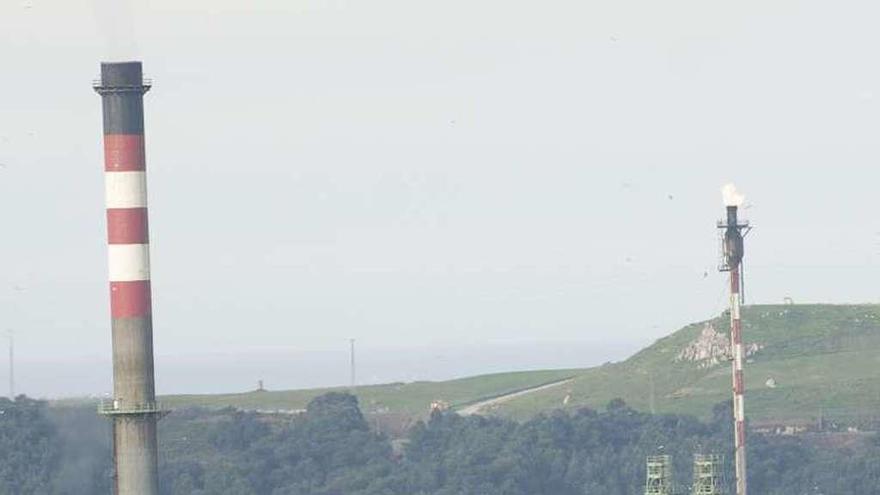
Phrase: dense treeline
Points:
(330, 450)
(27, 451)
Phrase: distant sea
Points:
(290, 368)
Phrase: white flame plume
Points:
(732, 197)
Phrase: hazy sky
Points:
(422, 175)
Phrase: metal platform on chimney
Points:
(116, 408)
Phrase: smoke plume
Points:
(115, 22)
(732, 197)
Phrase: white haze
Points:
(431, 174)
(115, 22)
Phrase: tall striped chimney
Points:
(133, 410)
(733, 252)
(736, 344)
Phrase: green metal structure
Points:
(708, 475)
(659, 477)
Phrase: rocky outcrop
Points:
(711, 348)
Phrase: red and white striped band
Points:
(127, 225)
(738, 381)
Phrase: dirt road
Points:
(478, 407)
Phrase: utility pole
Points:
(353, 375)
(11, 365)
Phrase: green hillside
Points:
(823, 360)
(411, 399)
(811, 361)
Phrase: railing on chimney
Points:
(117, 407)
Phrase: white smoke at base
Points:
(115, 23)
(731, 196)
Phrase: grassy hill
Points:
(412, 399)
(821, 360)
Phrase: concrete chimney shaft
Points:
(134, 411)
